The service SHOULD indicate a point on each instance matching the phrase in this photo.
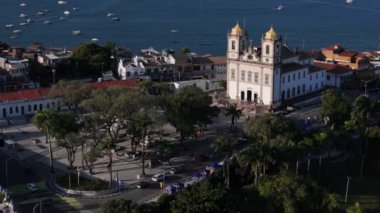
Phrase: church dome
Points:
(237, 30)
(271, 34)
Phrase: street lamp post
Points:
(6, 170)
(53, 70)
(348, 183)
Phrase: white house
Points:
(16, 67)
(336, 74)
(53, 56)
(268, 74)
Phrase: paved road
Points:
(22, 197)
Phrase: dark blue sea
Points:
(201, 25)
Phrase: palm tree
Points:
(251, 158)
(331, 201)
(223, 145)
(44, 120)
(234, 112)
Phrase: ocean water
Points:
(202, 25)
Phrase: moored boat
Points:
(9, 25)
(76, 32)
(16, 31)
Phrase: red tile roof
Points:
(333, 68)
(41, 93)
(348, 53)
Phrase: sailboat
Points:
(349, 1)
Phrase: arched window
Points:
(288, 93)
(242, 75)
(249, 76)
(256, 77)
(267, 49)
(232, 74)
(233, 44)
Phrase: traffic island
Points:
(83, 186)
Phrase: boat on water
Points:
(76, 8)
(62, 18)
(23, 24)
(111, 14)
(16, 31)
(94, 39)
(206, 43)
(174, 30)
(115, 19)
(62, 2)
(47, 22)
(76, 32)
(29, 20)
(350, 1)
(14, 37)
(9, 25)
(40, 13)
(66, 12)
(280, 7)
(23, 4)
(22, 15)
(47, 10)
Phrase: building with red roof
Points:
(336, 74)
(28, 101)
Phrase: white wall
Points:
(19, 108)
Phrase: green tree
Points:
(71, 92)
(354, 209)
(292, 193)
(203, 197)
(224, 145)
(331, 201)
(66, 132)
(117, 206)
(185, 50)
(360, 121)
(335, 108)
(44, 121)
(108, 146)
(189, 107)
(235, 113)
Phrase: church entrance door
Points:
(249, 95)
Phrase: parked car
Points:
(142, 184)
(31, 186)
(175, 170)
(36, 141)
(158, 177)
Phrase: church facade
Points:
(269, 74)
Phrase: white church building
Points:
(269, 74)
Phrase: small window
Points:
(283, 79)
(256, 80)
(249, 76)
(316, 86)
(321, 85)
(304, 74)
(299, 75)
(288, 93)
(16, 109)
(232, 74)
(298, 90)
(288, 78)
(266, 79)
(303, 88)
(242, 75)
(29, 108)
(328, 77)
(294, 76)
(233, 44)
(311, 77)
(293, 91)
(267, 49)
(35, 107)
(11, 110)
(310, 88)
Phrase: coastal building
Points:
(336, 74)
(53, 56)
(29, 101)
(337, 54)
(168, 66)
(15, 66)
(270, 73)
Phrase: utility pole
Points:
(348, 183)
(6, 170)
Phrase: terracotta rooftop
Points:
(333, 68)
(42, 93)
(218, 59)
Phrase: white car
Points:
(31, 186)
(158, 177)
